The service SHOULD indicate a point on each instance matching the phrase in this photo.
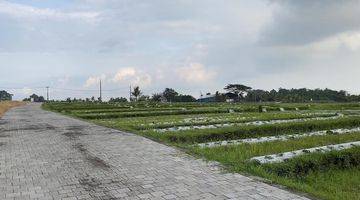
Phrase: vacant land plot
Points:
(6, 105)
(312, 148)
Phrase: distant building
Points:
(207, 98)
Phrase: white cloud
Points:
(142, 80)
(63, 80)
(124, 76)
(132, 76)
(195, 72)
(217, 41)
(27, 91)
(350, 40)
(124, 73)
(29, 12)
(94, 80)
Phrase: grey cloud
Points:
(302, 22)
(160, 36)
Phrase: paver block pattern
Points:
(44, 155)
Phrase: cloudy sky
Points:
(188, 45)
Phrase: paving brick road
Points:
(44, 155)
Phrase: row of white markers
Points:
(274, 158)
(256, 123)
(278, 137)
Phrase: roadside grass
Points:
(320, 183)
(237, 156)
(6, 105)
(337, 184)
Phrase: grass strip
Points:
(242, 132)
(303, 165)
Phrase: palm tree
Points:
(136, 92)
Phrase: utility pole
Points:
(47, 93)
(130, 94)
(100, 92)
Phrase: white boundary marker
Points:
(276, 158)
(278, 137)
(256, 123)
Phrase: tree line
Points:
(239, 92)
(233, 93)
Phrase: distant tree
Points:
(5, 96)
(144, 98)
(136, 92)
(258, 96)
(238, 89)
(156, 97)
(35, 98)
(219, 97)
(184, 98)
(117, 100)
(300, 95)
(170, 94)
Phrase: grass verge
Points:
(6, 105)
(328, 169)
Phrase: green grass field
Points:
(329, 175)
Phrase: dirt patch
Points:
(80, 147)
(112, 132)
(49, 127)
(29, 128)
(96, 188)
(73, 134)
(93, 160)
(3, 136)
(89, 183)
(37, 128)
(75, 128)
(97, 162)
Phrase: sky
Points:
(192, 46)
